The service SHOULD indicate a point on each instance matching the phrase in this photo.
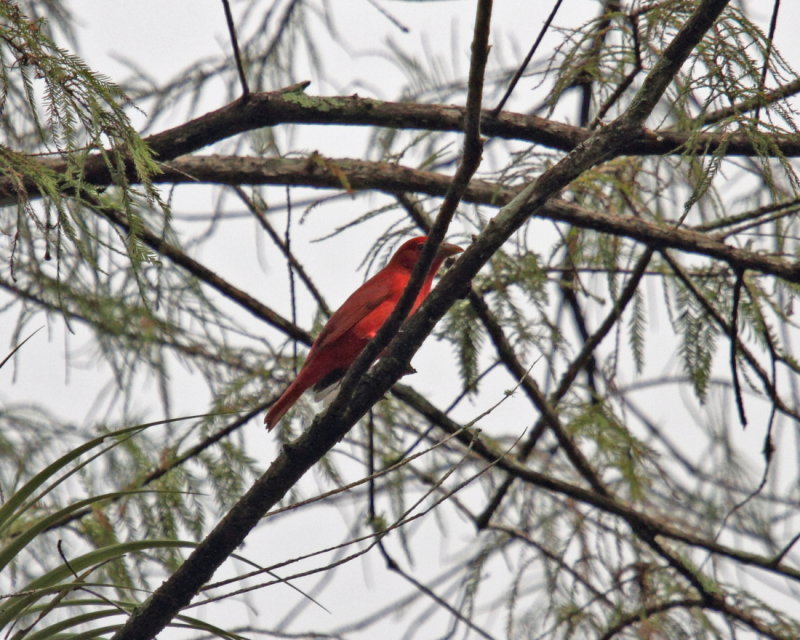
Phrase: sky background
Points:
(165, 38)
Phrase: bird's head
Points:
(408, 253)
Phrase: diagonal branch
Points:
(568, 377)
(549, 415)
(661, 526)
(470, 160)
(260, 214)
(296, 459)
(204, 274)
(643, 521)
(328, 428)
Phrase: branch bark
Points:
(392, 179)
(292, 106)
(328, 428)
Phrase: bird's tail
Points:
(285, 402)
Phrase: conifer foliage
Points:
(601, 437)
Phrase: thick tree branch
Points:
(333, 424)
(468, 165)
(659, 526)
(392, 178)
(292, 106)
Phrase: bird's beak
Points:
(446, 250)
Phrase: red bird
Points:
(357, 321)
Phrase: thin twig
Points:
(511, 85)
(287, 242)
(765, 98)
(737, 385)
(293, 265)
(236, 53)
(773, 23)
(389, 17)
(626, 81)
(19, 346)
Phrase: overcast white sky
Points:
(167, 37)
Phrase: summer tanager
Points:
(357, 321)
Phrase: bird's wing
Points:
(372, 294)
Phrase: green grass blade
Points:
(61, 578)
